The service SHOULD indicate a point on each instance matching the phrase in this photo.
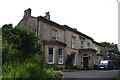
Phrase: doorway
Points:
(85, 61)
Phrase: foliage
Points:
(111, 46)
(8, 53)
(69, 62)
(20, 42)
(14, 70)
(35, 70)
(37, 59)
(51, 75)
(23, 55)
(52, 67)
(118, 76)
(116, 64)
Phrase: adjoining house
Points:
(62, 40)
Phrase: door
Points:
(85, 62)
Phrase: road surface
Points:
(91, 75)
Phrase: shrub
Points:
(35, 70)
(14, 70)
(118, 76)
(52, 67)
(37, 59)
(51, 75)
(116, 64)
(69, 62)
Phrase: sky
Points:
(95, 18)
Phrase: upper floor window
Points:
(54, 35)
(88, 45)
(73, 42)
(82, 46)
(96, 48)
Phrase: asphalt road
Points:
(91, 75)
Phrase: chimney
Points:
(75, 29)
(47, 16)
(27, 13)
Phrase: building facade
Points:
(62, 40)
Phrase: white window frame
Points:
(48, 56)
(75, 59)
(73, 42)
(62, 57)
(55, 36)
(82, 45)
(96, 48)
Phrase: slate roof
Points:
(63, 27)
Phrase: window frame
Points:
(73, 42)
(96, 48)
(54, 34)
(82, 45)
(88, 44)
(61, 56)
(75, 59)
(48, 56)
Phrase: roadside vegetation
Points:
(111, 46)
(23, 55)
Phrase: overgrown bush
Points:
(52, 67)
(23, 55)
(37, 59)
(69, 62)
(116, 64)
(35, 70)
(51, 75)
(14, 70)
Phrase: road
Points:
(91, 75)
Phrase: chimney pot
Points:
(47, 15)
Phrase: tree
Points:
(19, 43)
(111, 46)
(22, 55)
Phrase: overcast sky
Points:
(95, 18)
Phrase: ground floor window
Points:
(74, 59)
(93, 60)
(60, 56)
(97, 60)
(50, 55)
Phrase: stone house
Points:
(62, 40)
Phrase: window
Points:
(60, 56)
(50, 55)
(97, 60)
(73, 42)
(54, 35)
(88, 45)
(96, 48)
(74, 59)
(107, 54)
(82, 45)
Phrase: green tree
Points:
(19, 42)
(111, 46)
(22, 55)
(69, 62)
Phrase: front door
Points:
(85, 62)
